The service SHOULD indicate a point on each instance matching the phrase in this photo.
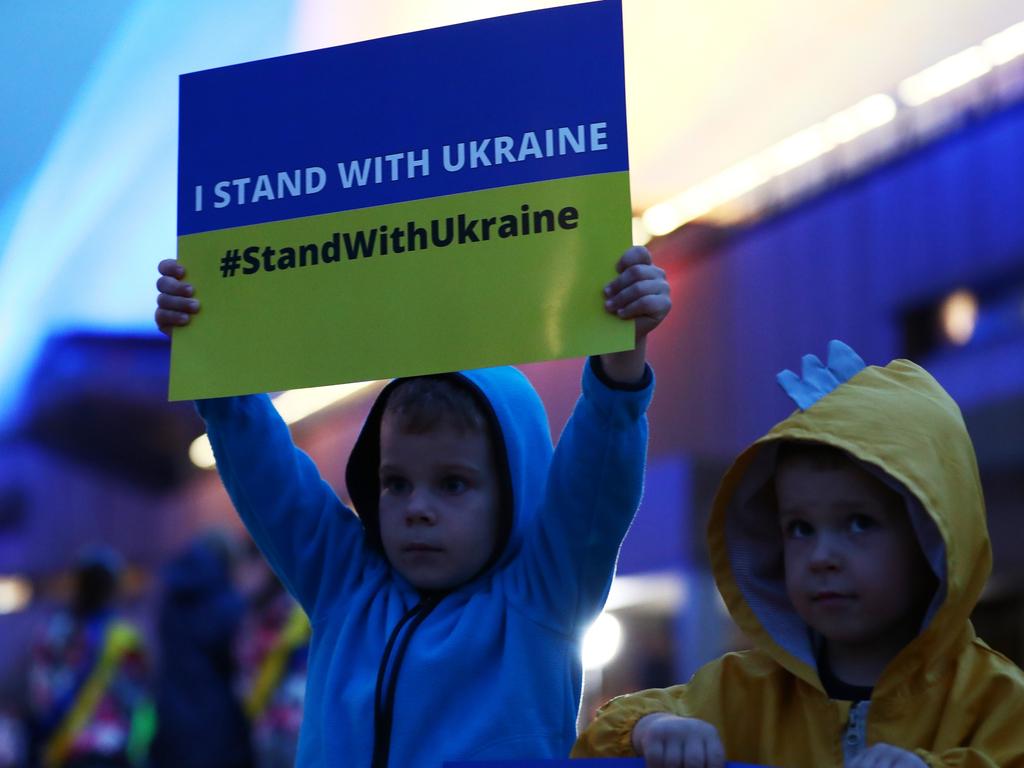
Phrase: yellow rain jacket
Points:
(946, 696)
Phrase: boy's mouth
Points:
(420, 547)
(827, 597)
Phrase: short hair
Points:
(818, 455)
(424, 403)
(824, 457)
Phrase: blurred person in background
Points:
(88, 694)
(201, 723)
(273, 652)
(13, 749)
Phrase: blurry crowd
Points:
(220, 686)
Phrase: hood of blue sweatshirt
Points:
(518, 429)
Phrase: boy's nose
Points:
(824, 555)
(419, 509)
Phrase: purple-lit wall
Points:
(843, 265)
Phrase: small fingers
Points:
(654, 754)
(673, 757)
(171, 268)
(173, 286)
(654, 306)
(634, 274)
(716, 753)
(177, 303)
(653, 286)
(635, 255)
(694, 754)
(167, 319)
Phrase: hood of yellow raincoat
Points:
(902, 426)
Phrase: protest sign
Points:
(446, 199)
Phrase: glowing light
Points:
(662, 218)
(667, 592)
(864, 116)
(948, 75)
(959, 316)
(744, 177)
(15, 594)
(811, 143)
(1005, 46)
(297, 404)
(201, 453)
(294, 405)
(640, 234)
(601, 642)
(736, 181)
(800, 149)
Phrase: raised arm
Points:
(596, 477)
(311, 540)
(639, 293)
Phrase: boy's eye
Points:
(394, 484)
(861, 523)
(798, 529)
(453, 484)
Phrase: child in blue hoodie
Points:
(448, 609)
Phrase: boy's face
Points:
(439, 503)
(854, 569)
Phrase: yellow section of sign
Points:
(507, 275)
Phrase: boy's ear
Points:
(818, 379)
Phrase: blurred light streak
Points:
(294, 406)
(791, 153)
(799, 149)
(944, 77)
(1003, 47)
(667, 592)
(843, 127)
(664, 217)
(640, 234)
(737, 181)
(873, 112)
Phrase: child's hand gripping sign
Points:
(445, 199)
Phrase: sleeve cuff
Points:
(618, 404)
(598, 369)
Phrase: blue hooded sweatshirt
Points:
(489, 670)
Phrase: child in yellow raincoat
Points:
(850, 545)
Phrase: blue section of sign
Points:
(262, 141)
